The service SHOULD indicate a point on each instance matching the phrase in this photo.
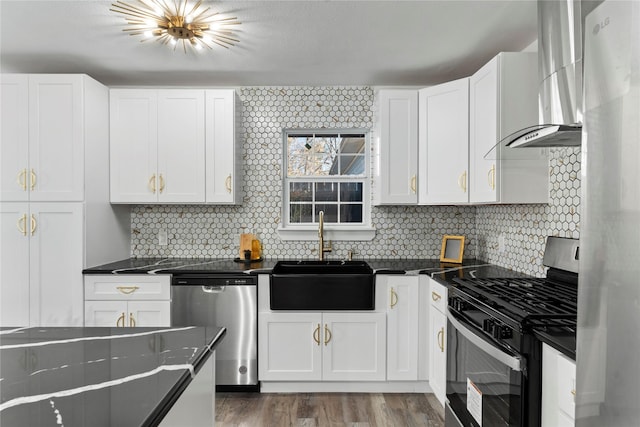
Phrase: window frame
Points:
(332, 231)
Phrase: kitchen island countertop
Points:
(98, 376)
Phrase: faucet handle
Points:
(350, 254)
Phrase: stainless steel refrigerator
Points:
(608, 351)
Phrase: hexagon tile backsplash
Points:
(401, 231)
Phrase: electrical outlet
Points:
(162, 237)
(501, 244)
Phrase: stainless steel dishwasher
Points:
(222, 300)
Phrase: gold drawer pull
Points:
(22, 179)
(327, 334)
(316, 334)
(492, 177)
(394, 298)
(120, 319)
(34, 224)
(22, 224)
(413, 184)
(152, 183)
(33, 179)
(227, 184)
(573, 392)
(462, 181)
(161, 184)
(435, 296)
(127, 289)
(441, 339)
(132, 320)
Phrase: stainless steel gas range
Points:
(494, 360)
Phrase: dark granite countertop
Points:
(97, 376)
(443, 271)
(562, 339)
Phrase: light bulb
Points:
(173, 41)
(198, 46)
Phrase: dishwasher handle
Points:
(213, 289)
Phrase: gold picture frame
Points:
(452, 249)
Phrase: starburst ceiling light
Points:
(173, 21)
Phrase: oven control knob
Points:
(457, 304)
(501, 331)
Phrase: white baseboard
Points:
(346, 387)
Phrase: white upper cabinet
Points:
(223, 147)
(157, 146)
(174, 146)
(396, 147)
(444, 143)
(42, 137)
(503, 99)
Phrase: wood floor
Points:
(328, 409)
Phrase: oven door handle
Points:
(514, 362)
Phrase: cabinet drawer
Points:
(133, 287)
(438, 295)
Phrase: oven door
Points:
(485, 384)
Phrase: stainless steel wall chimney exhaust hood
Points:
(560, 73)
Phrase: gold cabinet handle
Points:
(120, 319)
(22, 224)
(435, 296)
(161, 183)
(573, 392)
(491, 175)
(227, 184)
(462, 181)
(327, 334)
(22, 179)
(33, 179)
(34, 224)
(132, 320)
(127, 289)
(441, 339)
(413, 184)
(394, 298)
(152, 183)
(316, 334)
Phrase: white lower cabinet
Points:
(558, 388)
(402, 326)
(127, 301)
(438, 340)
(322, 346)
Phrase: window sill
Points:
(337, 234)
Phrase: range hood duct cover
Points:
(560, 78)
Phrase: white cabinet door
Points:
(105, 313)
(56, 137)
(444, 143)
(438, 339)
(502, 97)
(14, 137)
(14, 264)
(354, 347)
(558, 388)
(42, 142)
(181, 146)
(402, 327)
(133, 145)
(290, 347)
(223, 147)
(397, 148)
(438, 355)
(148, 313)
(56, 255)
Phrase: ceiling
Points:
(298, 42)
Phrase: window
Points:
(326, 171)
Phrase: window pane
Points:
(312, 156)
(300, 213)
(351, 192)
(351, 165)
(330, 212)
(301, 192)
(352, 144)
(351, 213)
(327, 191)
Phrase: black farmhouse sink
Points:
(322, 285)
